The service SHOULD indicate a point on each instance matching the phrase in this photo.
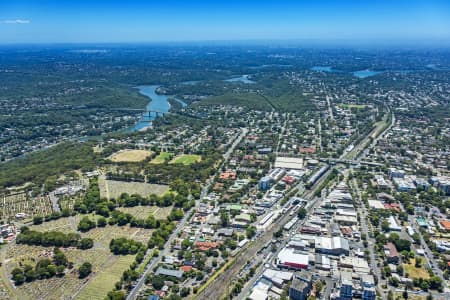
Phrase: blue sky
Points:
(43, 21)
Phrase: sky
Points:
(100, 21)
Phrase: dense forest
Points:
(54, 161)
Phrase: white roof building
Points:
(290, 257)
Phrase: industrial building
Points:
(332, 246)
(291, 258)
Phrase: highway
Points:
(166, 252)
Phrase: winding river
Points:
(158, 102)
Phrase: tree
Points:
(18, 276)
(86, 224)
(85, 269)
(157, 282)
(60, 258)
(60, 270)
(435, 283)
(185, 292)
(116, 295)
(250, 231)
(400, 270)
(405, 293)
(101, 222)
(224, 219)
(385, 226)
(37, 220)
(86, 243)
(123, 246)
(390, 295)
(318, 287)
(30, 274)
(416, 237)
(418, 262)
(278, 233)
(301, 213)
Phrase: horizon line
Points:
(309, 41)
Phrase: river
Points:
(158, 102)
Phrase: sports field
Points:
(130, 155)
(161, 158)
(186, 159)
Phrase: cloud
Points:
(16, 21)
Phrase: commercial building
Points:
(357, 264)
(264, 183)
(332, 246)
(291, 258)
(395, 173)
(422, 184)
(300, 289)
(278, 278)
(380, 181)
(276, 174)
(368, 286)
(346, 289)
(404, 184)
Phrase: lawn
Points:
(186, 159)
(130, 155)
(161, 158)
(414, 272)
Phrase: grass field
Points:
(161, 158)
(130, 155)
(113, 189)
(104, 280)
(186, 159)
(414, 272)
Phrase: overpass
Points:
(350, 162)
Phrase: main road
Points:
(156, 260)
